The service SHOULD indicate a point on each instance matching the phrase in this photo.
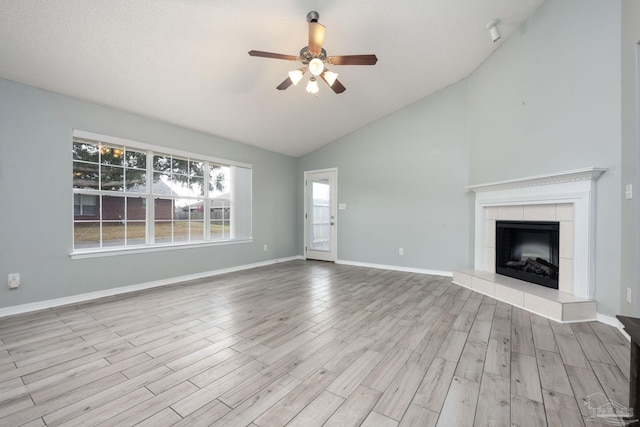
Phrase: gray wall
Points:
(402, 179)
(630, 211)
(37, 207)
(548, 100)
(559, 94)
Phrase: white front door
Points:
(320, 213)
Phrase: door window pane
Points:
(320, 215)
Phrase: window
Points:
(129, 195)
(84, 205)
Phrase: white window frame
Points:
(149, 199)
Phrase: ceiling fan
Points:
(315, 60)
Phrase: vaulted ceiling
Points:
(186, 62)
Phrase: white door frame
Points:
(636, 311)
(332, 255)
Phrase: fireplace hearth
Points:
(529, 251)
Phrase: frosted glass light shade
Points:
(296, 76)
(330, 77)
(316, 66)
(312, 86)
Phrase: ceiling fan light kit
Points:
(296, 76)
(315, 59)
(316, 67)
(330, 77)
(312, 86)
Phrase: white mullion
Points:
(207, 203)
(232, 210)
(173, 216)
(189, 222)
(73, 220)
(126, 223)
(173, 205)
(151, 209)
(100, 188)
(100, 199)
(124, 191)
(189, 219)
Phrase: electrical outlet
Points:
(629, 295)
(401, 251)
(266, 248)
(14, 280)
(628, 191)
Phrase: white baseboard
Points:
(612, 321)
(74, 299)
(607, 320)
(396, 268)
(620, 327)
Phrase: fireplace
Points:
(565, 198)
(529, 251)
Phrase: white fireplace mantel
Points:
(576, 187)
(538, 180)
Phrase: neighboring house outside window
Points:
(84, 206)
(129, 195)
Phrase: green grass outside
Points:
(88, 234)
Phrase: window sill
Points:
(98, 253)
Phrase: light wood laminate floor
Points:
(306, 343)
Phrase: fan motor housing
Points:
(306, 55)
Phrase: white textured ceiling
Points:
(186, 62)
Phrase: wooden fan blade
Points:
(272, 55)
(285, 84)
(316, 37)
(337, 87)
(353, 60)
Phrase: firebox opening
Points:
(529, 251)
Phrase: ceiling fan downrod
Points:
(313, 16)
